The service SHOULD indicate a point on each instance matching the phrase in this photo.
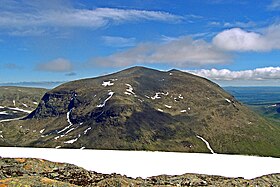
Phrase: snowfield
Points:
(145, 164)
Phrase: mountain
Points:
(144, 109)
(38, 172)
(17, 102)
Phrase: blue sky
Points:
(230, 42)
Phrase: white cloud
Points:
(57, 65)
(118, 41)
(18, 16)
(237, 39)
(240, 24)
(182, 52)
(258, 74)
(275, 5)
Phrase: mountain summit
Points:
(145, 109)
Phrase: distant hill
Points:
(17, 102)
(144, 109)
(264, 100)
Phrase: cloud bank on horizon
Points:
(257, 74)
(65, 38)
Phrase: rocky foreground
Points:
(37, 172)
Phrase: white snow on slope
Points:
(180, 96)
(228, 100)
(85, 132)
(73, 140)
(24, 105)
(107, 83)
(207, 144)
(168, 106)
(129, 90)
(14, 102)
(104, 103)
(41, 131)
(19, 109)
(145, 164)
(68, 120)
(157, 95)
(4, 113)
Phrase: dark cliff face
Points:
(145, 109)
(54, 105)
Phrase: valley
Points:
(264, 100)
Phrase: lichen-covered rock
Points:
(37, 172)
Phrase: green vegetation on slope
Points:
(144, 109)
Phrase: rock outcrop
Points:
(36, 172)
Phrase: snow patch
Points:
(130, 163)
(41, 131)
(35, 103)
(229, 101)
(183, 111)
(156, 96)
(168, 106)
(19, 109)
(4, 113)
(129, 90)
(69, 130)
(14, 102)
(68, 120)
(73, 140)
(207, 144)
(110, 94)
(141, 100)
(160, 110)
(85, 132)
(24, 105)
(107, 83)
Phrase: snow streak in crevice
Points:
(110, 94)
(207, 144)
(68, 116)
